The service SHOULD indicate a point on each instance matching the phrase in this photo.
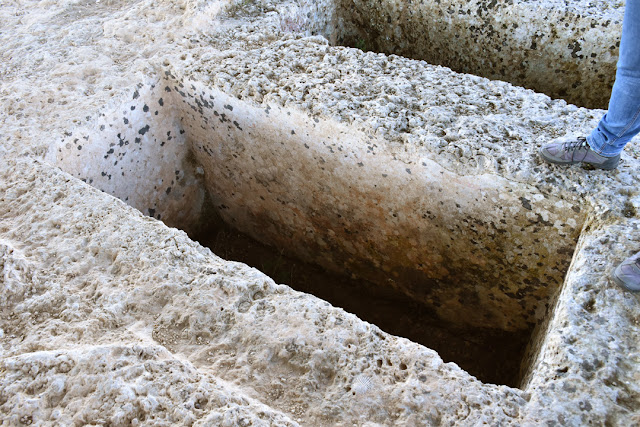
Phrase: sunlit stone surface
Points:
(389, 168)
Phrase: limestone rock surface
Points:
(110, 316)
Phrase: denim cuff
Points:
(598, 143)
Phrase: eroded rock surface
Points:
(109, 316)
(564, 49)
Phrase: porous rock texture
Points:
(566, 49)
(112, 317)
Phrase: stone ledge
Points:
(468, 124)
(123, 385)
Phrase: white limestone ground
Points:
(112, 317)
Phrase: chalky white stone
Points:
(110, 316)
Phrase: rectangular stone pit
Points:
(566, 50)
(477, 251)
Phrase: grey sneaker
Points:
(627, 274)
(576, 151)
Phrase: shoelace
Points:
(573, 146)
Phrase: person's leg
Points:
(622, 120)
(603, 146)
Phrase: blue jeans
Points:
(622, 121)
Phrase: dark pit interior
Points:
(491, 355)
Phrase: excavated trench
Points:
(466, 265)
(492, 355)
(553, 50)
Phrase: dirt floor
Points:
(491, 355)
